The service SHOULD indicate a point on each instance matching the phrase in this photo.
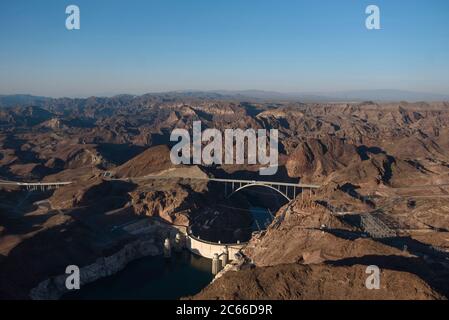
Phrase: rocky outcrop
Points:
(315, 282)
(91, 192)
(151, 161)
(163, 204)
(315, 159)
(311, 235)
(83, 158)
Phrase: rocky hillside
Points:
(381, 162)
(315, 282)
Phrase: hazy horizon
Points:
(381, 95)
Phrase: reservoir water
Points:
(262, 218)
(151, 278)
(157, 278)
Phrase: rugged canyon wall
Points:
(54, 287)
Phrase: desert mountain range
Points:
(387, 160)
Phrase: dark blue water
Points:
(262, 218)
(157, 278)
(154, 278)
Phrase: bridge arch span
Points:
(260, 185)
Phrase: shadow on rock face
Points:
(119, 153)
(106, 190)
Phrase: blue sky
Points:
(140, 46)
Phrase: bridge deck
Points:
(300, 185)
(256, 182)
(33, 184)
